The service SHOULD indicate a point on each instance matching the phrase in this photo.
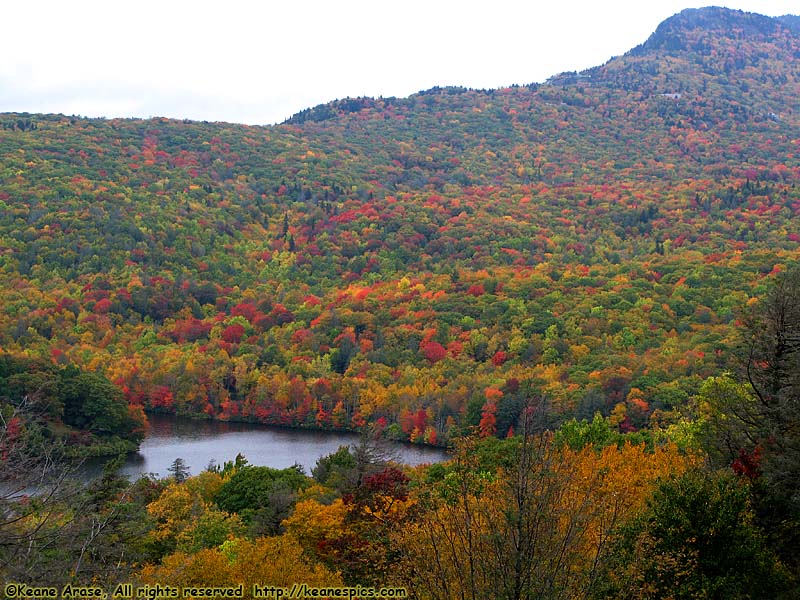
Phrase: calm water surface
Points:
(200, 442)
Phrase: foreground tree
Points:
(265, 561)
(179, 470)
(753, 424)
(34, 490)
(695, 539)
(54, 528)
(538, 527)
(352, 533)
(773, 371)
(262, 496)
(186, 519)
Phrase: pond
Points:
(199, 443)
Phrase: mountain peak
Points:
(679, 31)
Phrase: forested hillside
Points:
(427, 263)
(601, 270)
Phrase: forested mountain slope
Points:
(424, 263)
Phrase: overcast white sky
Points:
(259, 62)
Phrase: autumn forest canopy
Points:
(596, 275)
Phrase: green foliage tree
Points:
(753, 425)
(773, 372)
(598, 432)
(336, 470)
(178, 470)
(93, 403)
(696, 538)
(262, 496)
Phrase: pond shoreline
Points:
(200, 442)
(338, 430)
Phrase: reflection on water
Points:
(200, 442)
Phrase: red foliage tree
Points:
(161, 397)
(488, 424)
(433, 351)
(476, 290)
(102, 306)
(499, 358)
(233, 333)
(748, 464)
(246, 310)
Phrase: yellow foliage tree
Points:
(312, 522)
(186, 519)
(271, 561)
(539, 528)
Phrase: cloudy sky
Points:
(259, 62)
